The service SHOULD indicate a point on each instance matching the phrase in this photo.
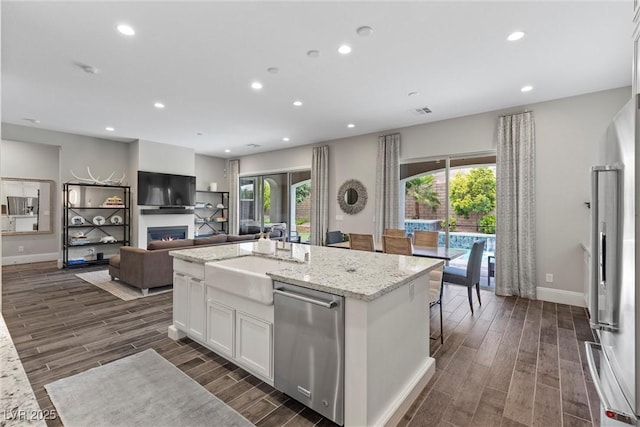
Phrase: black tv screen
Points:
(161, 189)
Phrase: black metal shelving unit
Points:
(82, 228)
(211, 220)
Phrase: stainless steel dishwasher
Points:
(309, 348)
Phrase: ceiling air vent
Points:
(253, 145)
(422, 111)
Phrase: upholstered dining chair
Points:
(426, 238)
(395, 232)
(397, 245)
(435, 294)
(471, 275)
(361, 242)
(333, 237)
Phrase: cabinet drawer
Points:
(192, 269)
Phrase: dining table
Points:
(446, 254)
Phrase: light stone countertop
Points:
(353, 274)
(19, 404)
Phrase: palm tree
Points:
(422, 190)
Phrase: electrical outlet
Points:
(20, 249)
(339, 217)
(549, 278)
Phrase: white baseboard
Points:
(561, 297)
(27, 259)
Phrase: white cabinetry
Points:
(180, 301)
(188, 298)
(236, 328)
(221, 325)
(196, 308)
(255, 349)
(240, 330)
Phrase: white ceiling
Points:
(199, 58)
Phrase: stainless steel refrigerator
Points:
(613, 300)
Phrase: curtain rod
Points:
(513, 114)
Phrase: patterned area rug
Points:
(123, 291)
(140, 390)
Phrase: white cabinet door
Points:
(221, 327)
(180, 301)
(196, 309)
(253, 344)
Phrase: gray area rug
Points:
(140, 390)
(123, 291)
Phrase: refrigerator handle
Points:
(595, 252)
(621, 415)
(603, 257)
(599, 250)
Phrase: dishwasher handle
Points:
(288, 294)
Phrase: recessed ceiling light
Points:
(109, 129)
(297, 103)
(412, 93)
(227, 151)
(313, 53)
(285, 139)
(159, 105)
(345, 49)
(516, 35)
(256, 85)
(364, 31)
(527, 88)
(125, 29)
(351, 125)
(273, 70)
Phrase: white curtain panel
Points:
(319, 194)
(234, 195)
(516, 206)
(387, 203)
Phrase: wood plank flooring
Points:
(514, 362)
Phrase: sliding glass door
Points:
(277, 200)
(457, 197)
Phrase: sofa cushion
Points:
(168, 244)
(232, 238)
(219, 238)
(114, 261)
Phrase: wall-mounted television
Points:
(162, 189)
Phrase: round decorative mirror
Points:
(352, 196)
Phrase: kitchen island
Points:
(386, 316)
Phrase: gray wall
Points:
(76, 152)
(567, 131)
(211, 169)
(33, 161)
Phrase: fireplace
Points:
(172, 232)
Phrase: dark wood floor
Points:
(514, 362)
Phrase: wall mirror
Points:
(352, 196)
(26, 206)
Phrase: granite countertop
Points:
(19, 404)
(353, 274)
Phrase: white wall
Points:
(33, 161)
(162, 158)
(567, 131)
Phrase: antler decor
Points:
(91, 180)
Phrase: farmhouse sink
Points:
(244, 276)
